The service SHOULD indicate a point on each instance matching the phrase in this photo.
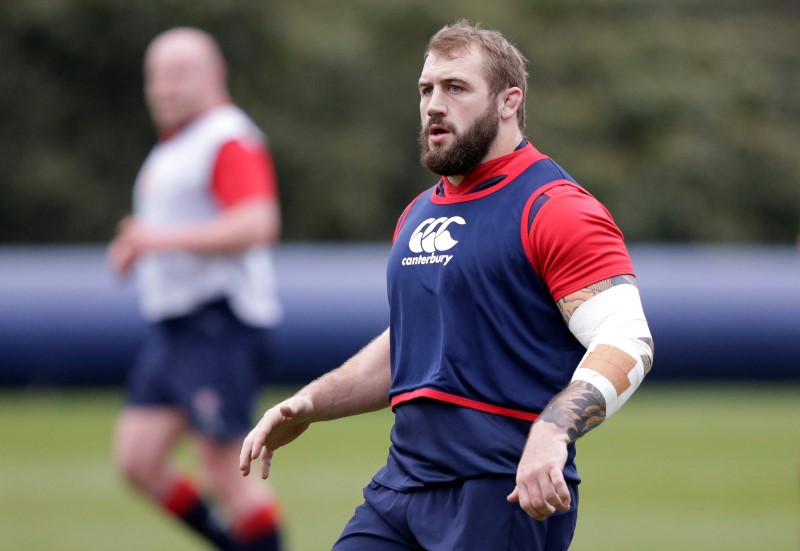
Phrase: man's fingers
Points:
(245, 456)
(251, 449)
(530, 501)
(554, 492)
(277, 427)
(539, 507)
(542, 497)
(244, 466)
(266, 461)
(561, 498)
(256, 445)
(513, 497)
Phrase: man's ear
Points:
(512, 99)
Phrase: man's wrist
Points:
(543, 428)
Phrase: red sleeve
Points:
(243, 170)
(576, 243)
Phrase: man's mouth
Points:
(438, 132)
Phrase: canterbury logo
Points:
(432, 236)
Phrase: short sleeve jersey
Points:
(575, 242)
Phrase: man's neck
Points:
(504, 144)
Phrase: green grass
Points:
(680, 468)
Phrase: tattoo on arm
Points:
(570, 303)
(578, 409)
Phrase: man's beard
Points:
(468, 149)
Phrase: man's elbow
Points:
(260, 221)
(267, 232)
(647, 356)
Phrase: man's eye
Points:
(427, 91)
(455, 88)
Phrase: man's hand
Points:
(541, 489)
(122, 252)
(280, 425)
(132, 240)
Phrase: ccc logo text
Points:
(432, 236)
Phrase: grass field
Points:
(683, 468)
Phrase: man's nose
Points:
(436, 104)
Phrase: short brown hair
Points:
(503, 63)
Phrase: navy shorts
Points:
(473, 515)
(207, 364)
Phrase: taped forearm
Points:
(619, 347)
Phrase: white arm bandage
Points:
(612, 327)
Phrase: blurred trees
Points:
(682, 117)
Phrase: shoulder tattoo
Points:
(570, 303)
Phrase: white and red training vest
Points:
(174, 188)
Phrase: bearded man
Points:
(515, 328)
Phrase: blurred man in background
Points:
(515, 328)
(205, 213)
